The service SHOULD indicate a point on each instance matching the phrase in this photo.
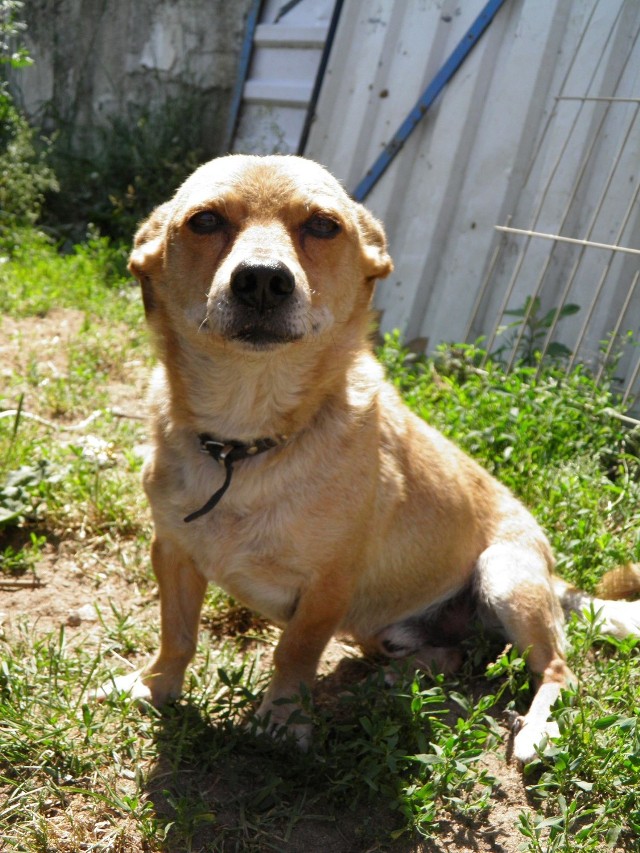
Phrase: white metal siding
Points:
(497, 148)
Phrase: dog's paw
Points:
(138, 686)
(284, 719)
(531, 739)
(132, 684)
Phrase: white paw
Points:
(140, 686)
(132, 684)
(532, 739)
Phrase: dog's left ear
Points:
(378, 263)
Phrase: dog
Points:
(286, 470)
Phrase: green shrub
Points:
(25, 175)
(136, 163)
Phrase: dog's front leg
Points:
(318, 614)
(182, 590)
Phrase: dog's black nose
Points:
(262, 286)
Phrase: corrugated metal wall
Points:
(520, 137)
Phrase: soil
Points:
(72, 578)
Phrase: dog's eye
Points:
(206, 222)
(321, 226)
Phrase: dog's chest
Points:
(249, 558)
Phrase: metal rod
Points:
(317, 86)
(616, 329)
(631, 382)
(558, 238)
(590, 98)
(483, 288)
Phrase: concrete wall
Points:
(96, 59)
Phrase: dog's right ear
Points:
(148, 252)
(377, 260)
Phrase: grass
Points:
(390, 767)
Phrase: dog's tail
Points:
(617, 618)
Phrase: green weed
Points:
(37, 279)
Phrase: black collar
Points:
(227, 453)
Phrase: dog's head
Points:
(258, 252)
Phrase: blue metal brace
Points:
(429, 95)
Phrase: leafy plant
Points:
(531, 329)
(23, 492)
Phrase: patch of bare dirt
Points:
(46, 337)
(37, 349)
(67, 585)
(37, 345)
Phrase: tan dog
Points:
(288, 472)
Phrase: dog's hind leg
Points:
(514, 586)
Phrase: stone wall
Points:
(95, 60)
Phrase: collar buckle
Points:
(219, 450)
